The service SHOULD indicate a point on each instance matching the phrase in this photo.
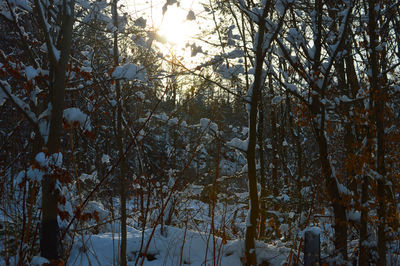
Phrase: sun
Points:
(177, 26)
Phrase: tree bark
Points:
(378, 94)
(317, 109)
(274, 142)
(263, 199)
(339, 209)
(250, 252)
(50, 244)
(123, 166)
(363, 254)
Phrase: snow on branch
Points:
(336, 47)
(241, 145)
(54, 54)
(130, 71)
(206, 123)
(5, 93)
(73, 115)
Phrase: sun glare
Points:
(174, 21)
(175, 27)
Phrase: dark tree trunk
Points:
(378, 94)
(263, 199)
(251, 226)
(120, 136)
(339, 209)
(50, 245)
(274, 142)
(363, 254)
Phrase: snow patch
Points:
(130, 71)
(39, 261)
(53, 160)
(74, 114)
(239, 144)
(105, 159)
(31, 72)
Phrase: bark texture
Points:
(50, 245)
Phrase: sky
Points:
(173, 25)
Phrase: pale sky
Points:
(173, 26)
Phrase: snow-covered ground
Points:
(191, 244)
(173, 246)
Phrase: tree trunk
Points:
(378, 94)
(254, 93)
(50, 244)
(363, 254)
(251, 225)
(274, 143)
(299, 156)
(123, 168)
(263, 199)
(339, 209)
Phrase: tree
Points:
(120, 137)
(319, 81)
(263, 35)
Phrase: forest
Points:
(199, 132)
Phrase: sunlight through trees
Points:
(172, 132)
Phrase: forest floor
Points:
(173, 246)
(189, 242)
